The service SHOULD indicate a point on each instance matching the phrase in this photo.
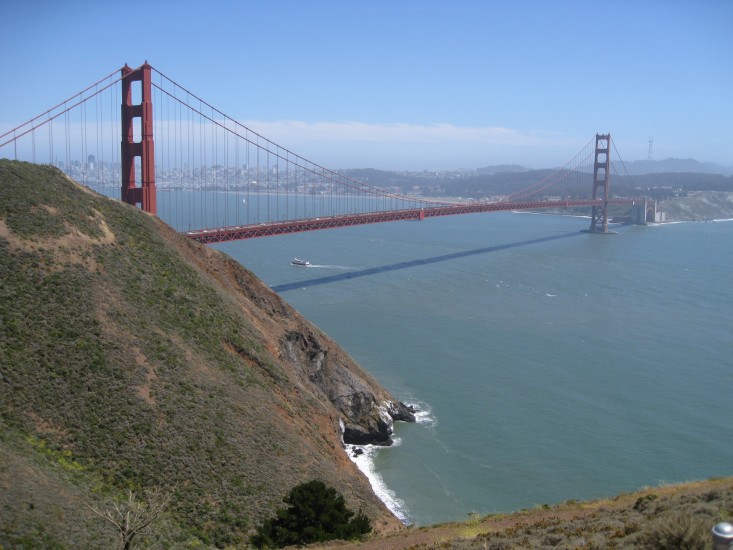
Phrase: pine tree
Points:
(316, 513)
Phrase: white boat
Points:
(296, 261)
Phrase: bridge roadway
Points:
(224, 234)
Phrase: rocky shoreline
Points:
(367, 411)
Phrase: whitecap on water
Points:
(423, 414)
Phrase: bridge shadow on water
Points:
(415, 263)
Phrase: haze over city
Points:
(405, 85)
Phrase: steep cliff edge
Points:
(367, 411)
(134, 358)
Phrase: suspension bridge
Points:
(139, 136)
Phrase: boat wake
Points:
(341, 267)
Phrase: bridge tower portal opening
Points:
(601, 173)
(143, 149)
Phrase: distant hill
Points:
(672, 165)
(500, 169)
(656, 179)
(636, 167)
(132, 358)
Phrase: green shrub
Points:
(642, 503)
(676, 531)
(316, 513)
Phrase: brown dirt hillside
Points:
(132, 358)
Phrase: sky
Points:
(405, 84)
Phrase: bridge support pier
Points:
(639, 214)
(143, 149)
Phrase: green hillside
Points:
(134, 359)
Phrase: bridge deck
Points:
(224, 234)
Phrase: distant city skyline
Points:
(406, 85)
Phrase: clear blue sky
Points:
(405, 84)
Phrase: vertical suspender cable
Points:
(201, 202)
(214, 169)
(248, 176)
(97, 155)
(82, 135)
(237, 200)
(287, 184)
(226, 176)
(189, 149)
(50, 142)
(66, 139)
(179, 168)
(164, 134)
(115, 134)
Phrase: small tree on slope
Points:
(316, 513)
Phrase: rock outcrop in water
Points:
(367, 411)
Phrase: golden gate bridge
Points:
(139, 136)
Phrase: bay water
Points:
(548, 364)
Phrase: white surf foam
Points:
(365, 463)
(423, 415)
(363, 456)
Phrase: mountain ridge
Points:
(634, 167)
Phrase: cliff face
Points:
(132, 357)
(365, 410)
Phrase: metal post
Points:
(723, 536)
(130, 149)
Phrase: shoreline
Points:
(364, 455)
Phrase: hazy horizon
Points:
(406, 85)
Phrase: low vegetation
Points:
(661, 518)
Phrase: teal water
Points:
(551, 364)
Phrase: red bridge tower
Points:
(601, 171)
(144, 149)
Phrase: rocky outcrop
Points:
(367, 411)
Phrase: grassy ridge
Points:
(134, 358)
(669, 517)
